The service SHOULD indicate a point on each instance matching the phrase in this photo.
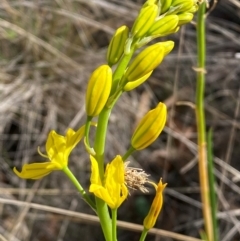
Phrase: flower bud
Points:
(164, 26)
(165, 5)
(184, 5)
(98, 90)
(156, 207)
(149, 127)
(145, 62)
(134, 84)
(168, 46)
(149, 2)
(193, 9)
(117, 44)
(144, 20)
(185, 18)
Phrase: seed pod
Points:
(134, 84)
(145, 62)
(164, 26)
(149, 127)
(98, 90)
(144, 20)
(117, 44)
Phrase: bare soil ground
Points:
(48, 49)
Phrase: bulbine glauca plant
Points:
(110, 185)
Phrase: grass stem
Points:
(201, 126)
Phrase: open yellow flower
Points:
(58, 149)
(156, 206)
(113, 189)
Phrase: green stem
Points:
(87, 129)
(75, 182)
(128, 153)
(114, 224)
(99, 144)
(201, 126)
(99, 147)
(143, 235)
(122, 66)
(212, 182)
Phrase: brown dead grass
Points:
(47, 51)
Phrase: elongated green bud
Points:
(185, 18)
(144, 21)
(165, 5)
(98, 90)
(149, 127)
(116, 46)
(134, 84)
(145, 62)
(164, 26)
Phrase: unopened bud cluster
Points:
(161, 18)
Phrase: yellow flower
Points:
(58, 149)
(113, 189)
(156, 206)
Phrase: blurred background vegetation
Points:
(48, 49)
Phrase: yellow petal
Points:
(103, 194)
(55, 146)
(114, 182)
(95, 178)
(35, 170)
(72, 139)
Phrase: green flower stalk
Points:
(149, 127)
(117, 44)
(98, 90)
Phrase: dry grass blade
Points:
(91, 218)
(41, 43)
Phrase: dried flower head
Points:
(136, 178)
